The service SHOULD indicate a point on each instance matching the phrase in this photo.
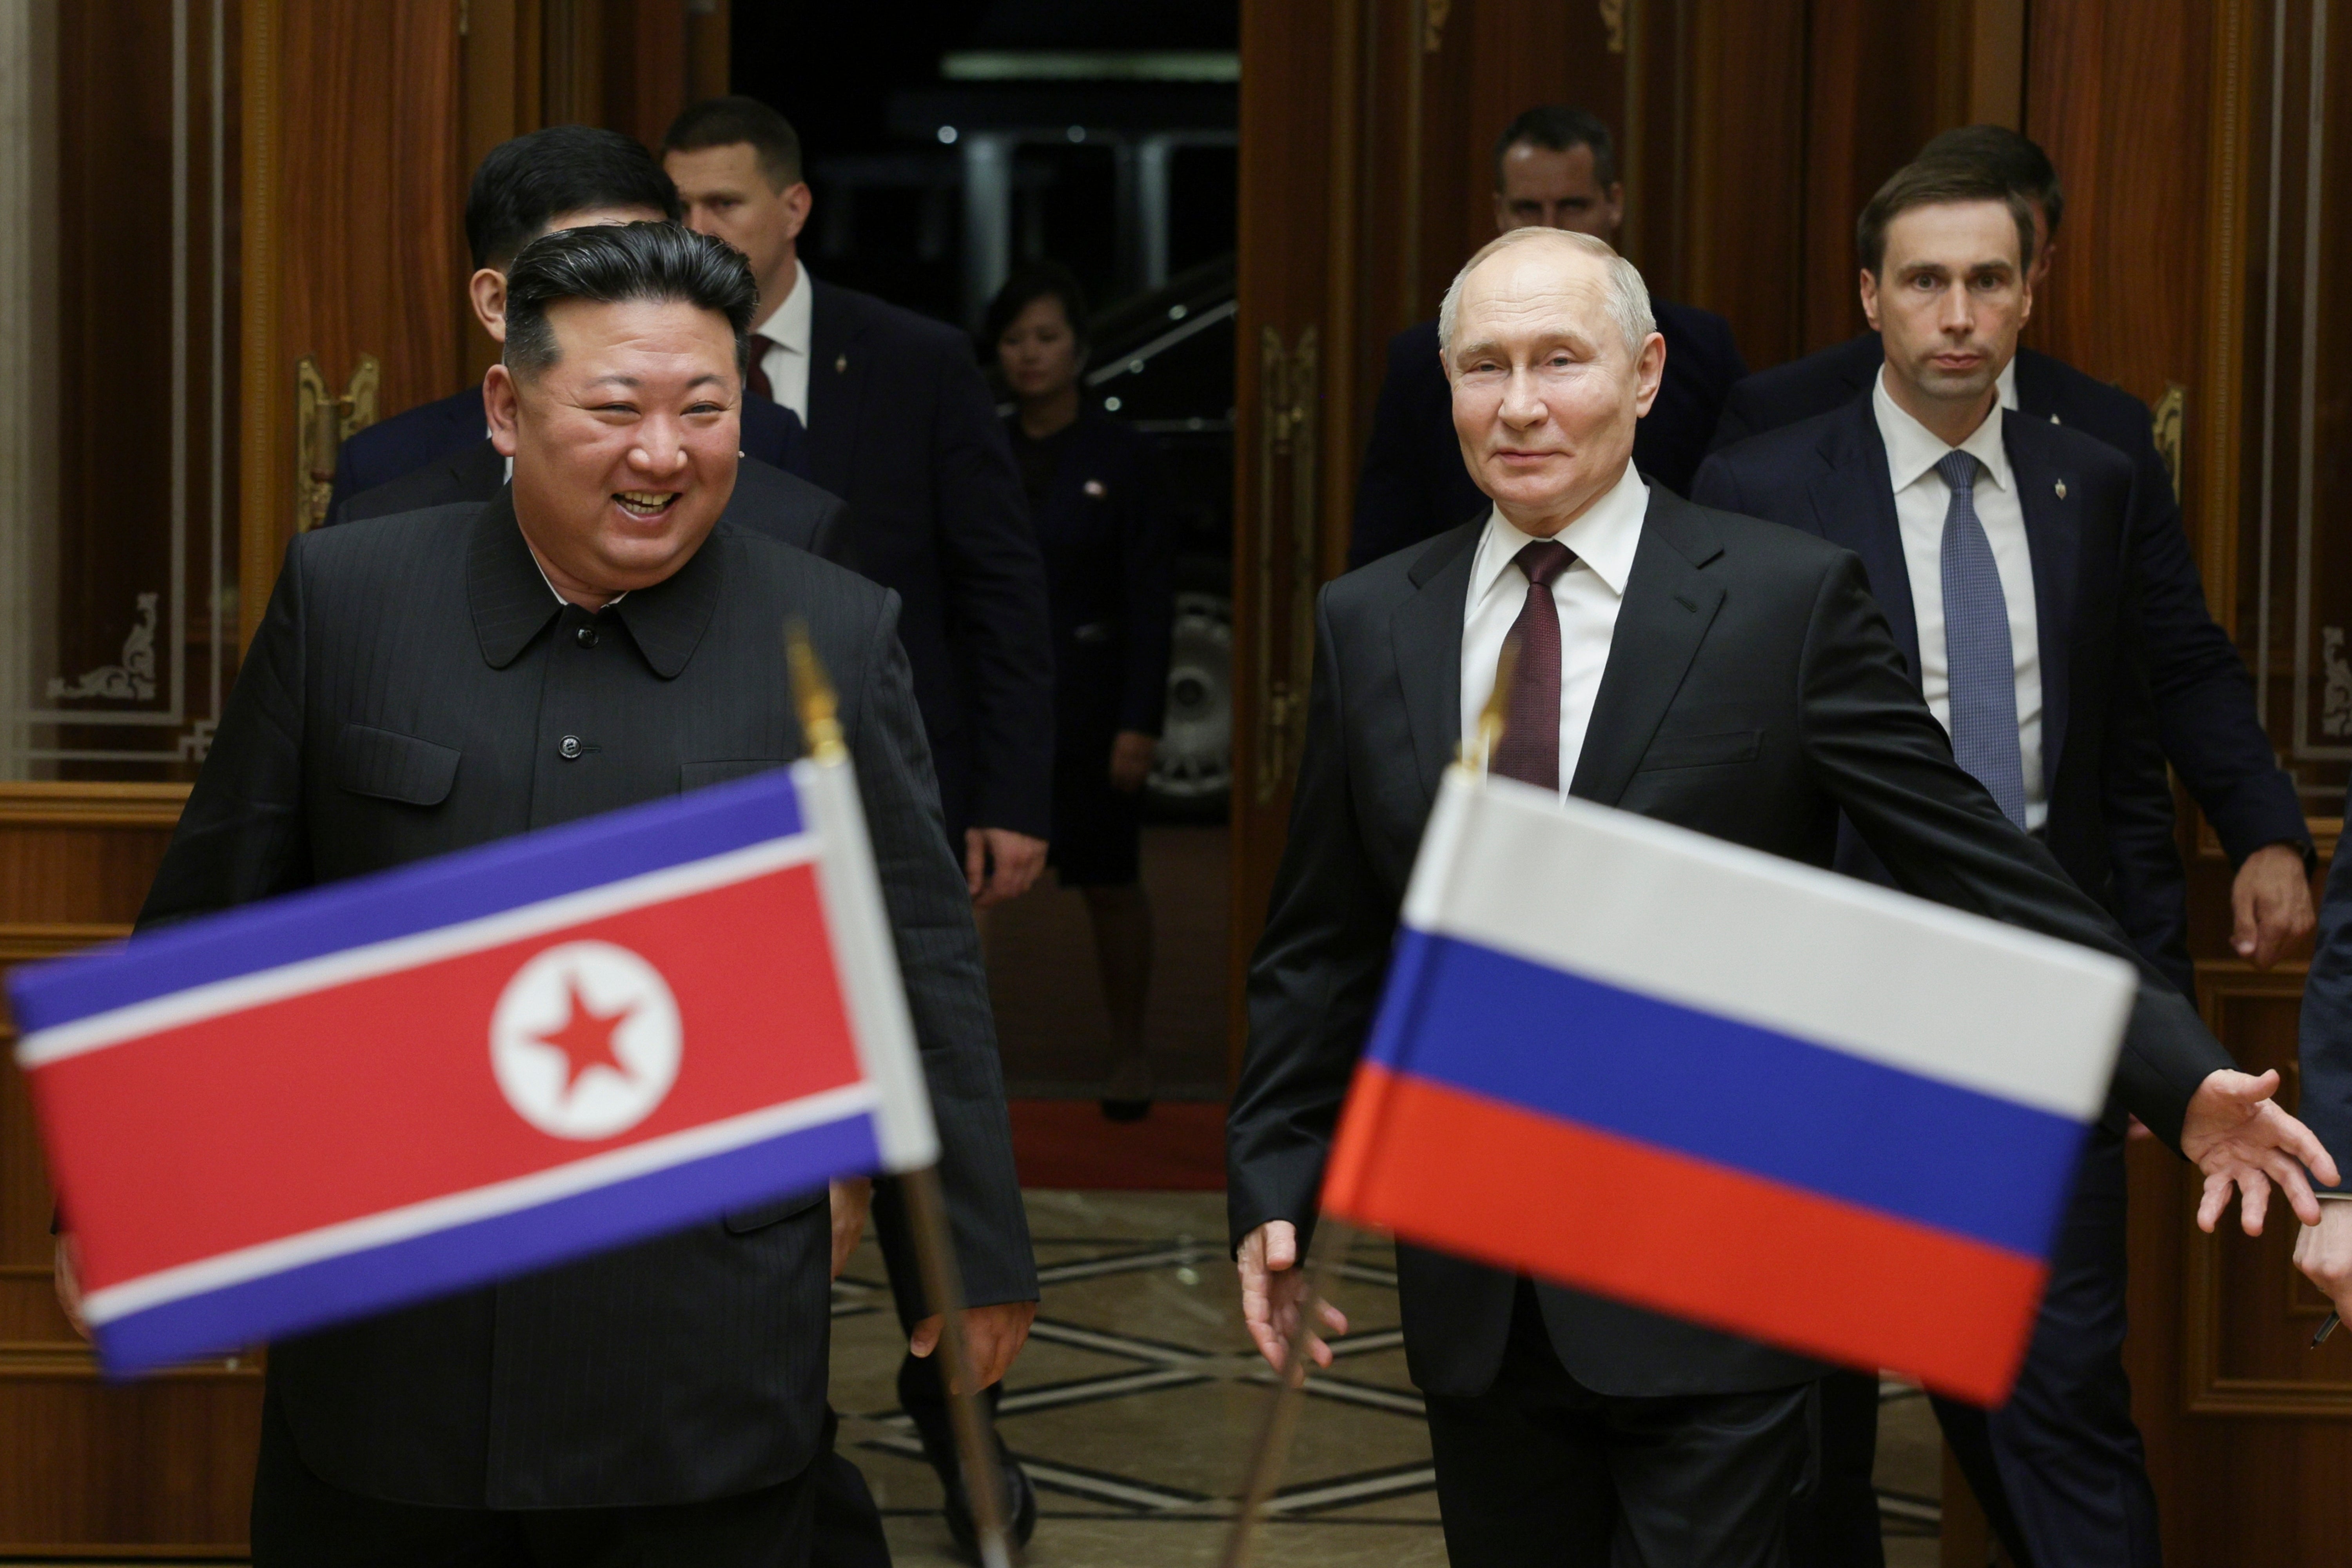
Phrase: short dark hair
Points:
(1037, 280)
(525, 184)
(612, 263)
(1928, 184)
(723, 121)
(2016, 161)
(1558, 127)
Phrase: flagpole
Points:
(1279, 1422)
(983, 1478)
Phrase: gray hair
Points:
(1627, 302)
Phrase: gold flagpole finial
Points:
(812, 695)
(1490, 718)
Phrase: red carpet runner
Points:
(1179, 1147)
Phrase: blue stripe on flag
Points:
(362, 1284)
(469, 884)
(1741, 1096)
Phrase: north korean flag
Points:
(352, 1097)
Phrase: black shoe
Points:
(1125, 1109)
(1021, 1503)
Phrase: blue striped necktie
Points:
(1978, 653)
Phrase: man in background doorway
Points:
(566, 176)
(901, 426)
(1555, 167)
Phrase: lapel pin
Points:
(1094, 490)
(841, 365)
(2062, 490)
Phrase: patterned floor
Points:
(1136, 1405)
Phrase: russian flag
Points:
(1634, 1059)
(367, 1093)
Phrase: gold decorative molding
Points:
(1433, 17)
(1613, 17)
(1290, 393)
(323, 423)
(268, 447)
(52, 805)
(2170, 414)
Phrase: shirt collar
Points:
(1605, 538)
(789, 324)
(509, 596)
(2008, 384)
(1913, 449)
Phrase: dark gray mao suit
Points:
(1752, 692)
(415, 688)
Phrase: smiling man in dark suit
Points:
(2001, 548)
(561, 177)
(1555, 167)
(1724, 674)
(2206, 719)
(594, 637)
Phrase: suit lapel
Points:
(2053, 535)
(1854, 505)
(1426, 631)
(838, 376)
(1670, 601)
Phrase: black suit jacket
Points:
(430, 432)
(404, 698)
(2110, 820)
(1752, 663)
(2205, 714)
(901, 426)
(767, 501)
(2326, 1104)
(1415, 485)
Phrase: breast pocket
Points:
(384, 765)
(702, 775)
(1701, 751)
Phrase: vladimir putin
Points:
(1727, 675)
(588, 640)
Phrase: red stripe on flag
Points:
(1482, 1179)
(379, 1093)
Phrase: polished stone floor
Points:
(1136, 1404)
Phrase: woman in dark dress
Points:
(1109, 548)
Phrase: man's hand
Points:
(851, 1201)
(2323, 1252)
(992, 1336)
(1273, 1285)
(2270, 904)
(1130, 760)
(999, 864)
(2240, 1138)
(68, 1280)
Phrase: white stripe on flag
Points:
(1667, 913)
(329, 970)
(457, 1209)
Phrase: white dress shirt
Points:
(1587, 595)
(788, 327)
(1921, 499)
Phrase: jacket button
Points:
(586, 637)
(569, 748)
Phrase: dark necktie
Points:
(1978, 657)
(759, 376)
(1530, 749)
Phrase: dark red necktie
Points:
(1530, 749)
(759, 376)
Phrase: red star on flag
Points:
(585, 1037)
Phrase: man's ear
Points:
(502, 404)
(487, 290)
(798, 200)
(1869, 286)
(1649, 372)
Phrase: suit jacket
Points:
(407, 441)
(1415, 485)
(2326, 1104)
(404, 698)
(766, 500)
(2205, 714)
(1753, 691)
(1110, 573)
(902, 427)
(2110, 820)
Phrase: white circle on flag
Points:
(585, 1041)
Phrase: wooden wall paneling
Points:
(502, 80)
(1741, 221)
(646, 65)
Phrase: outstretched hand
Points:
(2240, 1138)
(992, 1336)
(1272, 1288)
